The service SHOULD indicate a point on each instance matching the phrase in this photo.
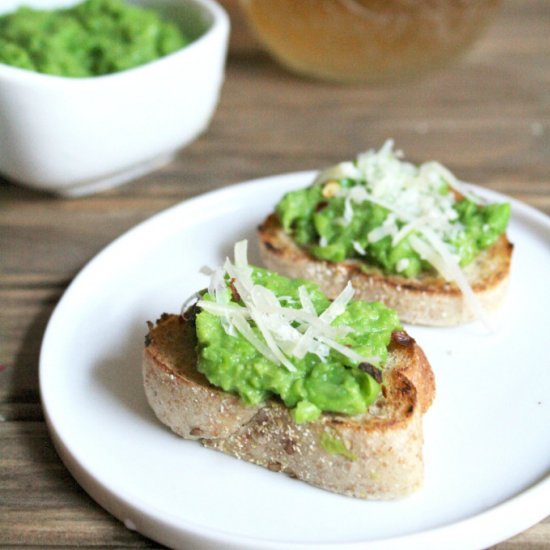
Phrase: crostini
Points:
(413, 237)
(268, 370)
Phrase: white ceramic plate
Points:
(487, 448)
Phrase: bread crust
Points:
(384, 445)
(424, 300)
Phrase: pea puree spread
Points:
(401, 218)
(96, 37)
(261, 334)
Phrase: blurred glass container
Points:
(367, 40)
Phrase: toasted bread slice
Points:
(376, 455)
(424, 300)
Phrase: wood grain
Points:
(487, 117)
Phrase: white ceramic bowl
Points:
(75, 136)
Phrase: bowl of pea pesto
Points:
(95, 93)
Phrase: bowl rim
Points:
(220, 24)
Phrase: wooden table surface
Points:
(487, 117)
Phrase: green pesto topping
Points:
(369, 209)
(323, 379)
(334, 445)
(96, 37)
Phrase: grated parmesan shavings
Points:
(412, 196)
(284, 332)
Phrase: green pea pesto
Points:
(93, 38)
(313, 219)
(335, 384)
(333, 444)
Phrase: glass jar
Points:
(367, 40)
